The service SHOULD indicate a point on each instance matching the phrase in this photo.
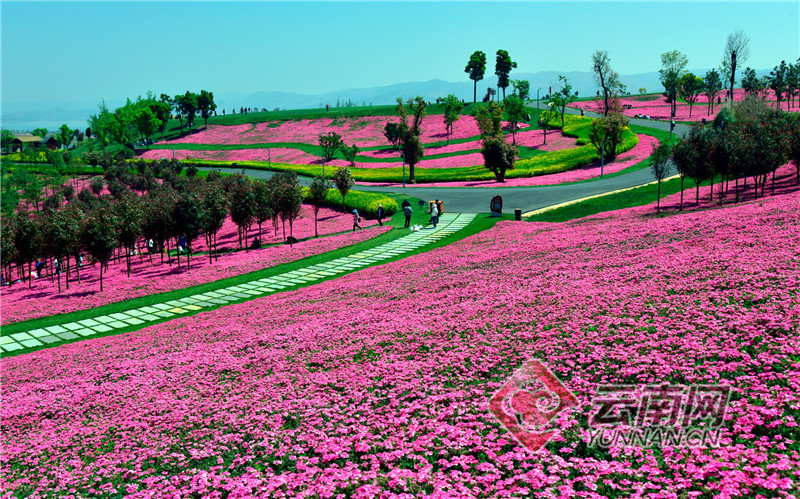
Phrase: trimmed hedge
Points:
(365, 202)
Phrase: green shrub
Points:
(365, 202)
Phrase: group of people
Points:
(407, 211)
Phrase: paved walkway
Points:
(449, 223)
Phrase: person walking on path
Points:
(435, 215)
(407, 213)
(380, 215)
(356, 220)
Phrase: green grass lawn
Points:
(634, 197)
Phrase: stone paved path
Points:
(143, 316)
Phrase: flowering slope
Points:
(658, 109)
(20, 303)
(639, 153)
(376, 384)
(364, 131)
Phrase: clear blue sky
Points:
(87, 51)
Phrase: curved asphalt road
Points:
(477, 199)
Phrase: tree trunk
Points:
(101, 276)
(30, 276)
(128, 260)
(188, 256)
(316, 211)
(59, 281)
(178, 252)
(736, 187)
(658, 198)
(77, 270)
(475, 91)
(697, 193)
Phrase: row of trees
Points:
(476, 69)
(678, 82)
(749, 140)
(149, 115)
(783, 80)
(152, 202)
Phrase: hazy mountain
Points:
(27, 116)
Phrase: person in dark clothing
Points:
(407, 213)
(405, 203)
(380, 214)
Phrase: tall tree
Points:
(606, 78)
(502, 67)
(392, 133)
(737, 50)
(262, 204)
(187, 104)
(691, 86)
(26, 241)
(778, 82)
(349, 153)
(713, 84)
(215, 207)
(606, 133)
(206, 105)
(100, 237)
(563, 97)
(476, 68)
(40, 132)
(545, 121)
(317, 194)
(188, 218)
(751, 84)
(147, 123)
(129, 215)
(290, 195)
(65, 135)
(330, 143)
(522, 88)
(6, 137)
(452, 109)
(241, 203)
(410, 131)
(660, 164)
(515, 113)
(343, 179)
(673, 67)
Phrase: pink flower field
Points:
(20, 303)
(640, 152)
(364, 131)
(658, 109)
(377, 384)
(530, 138)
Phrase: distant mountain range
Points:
(27, 116)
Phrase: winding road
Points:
(477, 199)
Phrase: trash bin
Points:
(518, 215)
